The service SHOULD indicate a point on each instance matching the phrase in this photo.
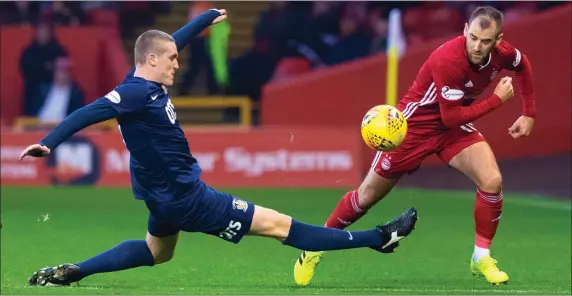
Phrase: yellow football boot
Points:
(487, 266)
(305, 267)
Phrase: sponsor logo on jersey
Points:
(451, 94)
(114, 97)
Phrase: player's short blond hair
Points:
(150, 42)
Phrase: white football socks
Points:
(480, 253)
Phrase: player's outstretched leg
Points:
(383, 238)
(349, 209)
(479, 164)
(129, 254)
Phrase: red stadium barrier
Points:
(242, 158)
(341, 95)
(99, 62)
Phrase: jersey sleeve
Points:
(511, 57)
(95, 112)
(514, 60)
(449, 77)
(193, 28)
(128, 98)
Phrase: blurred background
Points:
(274, 96)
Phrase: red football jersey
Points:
(447, 83)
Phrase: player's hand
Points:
(522, 127)
(504, 89)
(35, 150)
(222, 16)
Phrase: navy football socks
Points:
(315, 238)
(128, 254)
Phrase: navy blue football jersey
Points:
(162, 167)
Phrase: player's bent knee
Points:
(270, 223)
(492, 182)
(162, 248)
(163, 257)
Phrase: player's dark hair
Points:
(149, 42)
(485, 15)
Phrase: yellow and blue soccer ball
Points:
(383, 128)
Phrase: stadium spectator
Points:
(200, 56)
(251, 70)
(320, 30)
(19, 13)
(37, 66)
(278, 24)
(355, 40)
(62, 97)
(378, 26)
(59, 13)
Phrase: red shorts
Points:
(416, 147)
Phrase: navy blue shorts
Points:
(208, 211)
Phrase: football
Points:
(383, 128)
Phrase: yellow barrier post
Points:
(392, 72)
(395, 45)
(243, 103)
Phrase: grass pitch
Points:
(49, 226)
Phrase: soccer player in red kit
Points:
(439, 110)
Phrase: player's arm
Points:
(520, 64)
(97, 111)
(193, 28)
(449, 79)
(126, 98)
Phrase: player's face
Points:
(168, 64)
(480, 42)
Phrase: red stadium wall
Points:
(97, 54)
(340, 96)
(241, 158)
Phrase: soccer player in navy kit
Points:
(166, 176)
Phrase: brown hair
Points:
(149, 42)
(485, 15)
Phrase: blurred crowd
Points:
(331, 32)
(289, 38)
(50, 91)
(297, 37)
(77, 13)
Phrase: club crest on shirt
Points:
(238, 204)
(386, 163)
(494, 74)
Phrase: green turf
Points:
(50, 226)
